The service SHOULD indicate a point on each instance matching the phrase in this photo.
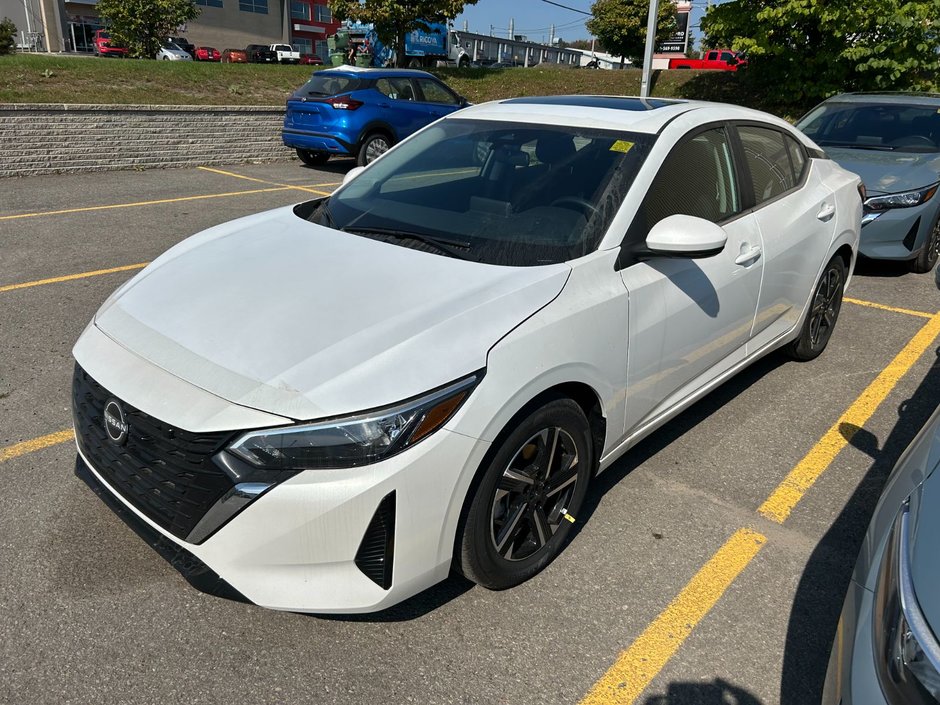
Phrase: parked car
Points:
(234, 56)
(260, 54)
(171, 52)
(311, 60)
(892, 140)
(184, 44)
(207, 54)
(713, 60)
(886, 650)
(326, 407)
(285, 53)
(104, 47)
(362, 112)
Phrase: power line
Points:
(573, 9)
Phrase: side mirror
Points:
(686, 236)
(352, 174)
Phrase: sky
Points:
(534, 17)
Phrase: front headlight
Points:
(906, 199)
(907, 654)
(354, 440)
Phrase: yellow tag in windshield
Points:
(621, 146)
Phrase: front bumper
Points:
(295, 547)
(899, 233)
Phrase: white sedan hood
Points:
(275, 313)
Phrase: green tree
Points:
(620, 25)
(801, 51)
(7, 34)
(393, 19)
(143, 25)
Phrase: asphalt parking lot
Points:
(709, 566)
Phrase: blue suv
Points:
(361, 113)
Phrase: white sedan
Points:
(173, 52)
(327, 408)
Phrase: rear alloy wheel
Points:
(373, 147)
(929, 255)
(523, 508)
(311, 158)
(823, 313)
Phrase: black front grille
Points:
(165, 472)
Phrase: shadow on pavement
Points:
(821, 590)
(717, 692)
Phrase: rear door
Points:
(795, 212)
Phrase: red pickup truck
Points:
(714, 59)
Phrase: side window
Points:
(797, 158)
(726, 56)
(435, 92)
(768, 160)
(711, 56)
(697, 178)
(395, 88)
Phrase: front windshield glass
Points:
(874, 126)
(494, 192)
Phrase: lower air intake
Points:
(374, 557)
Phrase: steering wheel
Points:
(589, 207)
(913, 141)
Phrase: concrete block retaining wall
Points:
(48, 138)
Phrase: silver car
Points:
(892, 141)
(886, 650)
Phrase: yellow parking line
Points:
(18, 449)
(781, 502)
(70, 277)
(882, 307)
(636, 667)
(137, 204)
(263, 181)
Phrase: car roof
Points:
(647, 115)
(888, 98)
(376, 73)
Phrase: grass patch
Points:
(65, 79)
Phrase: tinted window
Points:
(768, 161)
(797, 158)
(877, 126)
(515, 194)
(395, 88)
(435, 92)
(697, 178)
(324, 84)
(726, 56)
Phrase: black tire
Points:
(373, 146)
(823, 313)
(930, 253)
(515, 524)
(311, 158)
(463, 62)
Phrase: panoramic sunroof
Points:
(597, 101)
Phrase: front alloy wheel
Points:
(528, 497)
(930, 253)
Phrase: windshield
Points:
(494, 192)
(874, 126)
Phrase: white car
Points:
(172, 52)
(327, 407)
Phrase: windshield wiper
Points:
(448, 247)
(854, 145)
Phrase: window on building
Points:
(322, 50)
(322, 13)
(302, 45)
(209, 3)
(299, 10)
(259, 6)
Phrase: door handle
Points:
(826, 213)
(748, 256)
(384, 105)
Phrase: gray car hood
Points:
(277, 314)
(888, 172)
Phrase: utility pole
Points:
(466, 25)
(650, 44)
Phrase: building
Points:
(69, 25)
